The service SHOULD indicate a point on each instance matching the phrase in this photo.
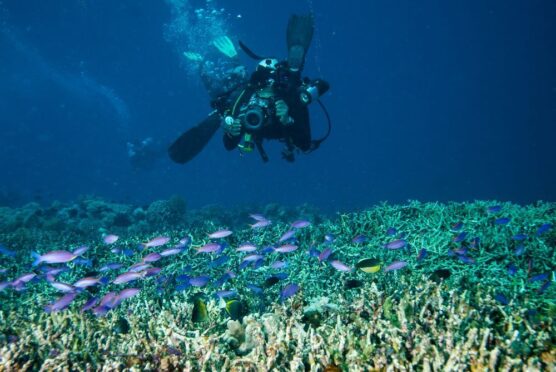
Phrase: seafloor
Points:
(478, 297)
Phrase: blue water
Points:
(429, 101)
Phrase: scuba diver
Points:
(270, 104)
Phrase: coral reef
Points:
(440, 312)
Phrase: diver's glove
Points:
(282, 110)
(225, 46)
(231, 126)
(193, 56)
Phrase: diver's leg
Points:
(299, 35)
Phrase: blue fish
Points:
(501, 298)
(494, 209)
(324, 255)
(519, 237)
(6, 252)
(182, 286)
(244, 264)
(391, 231)
(544, 287)
(267, 250)
(512, 269)
(359, 239)
(288, 291)
(280, 276)
(502, 221)
(544, 228)
(127, 252)
(83, 262)
(111, 266)
(313, 252)
(257, 264)
(225, 293)
(329, 238)
(218, 261)
(538, 277)
(422, 254)
(183, 278)
(475, 242)
(223, 279)
(519, 250)
(460, 237)
(257, 290)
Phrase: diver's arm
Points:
(300, 130)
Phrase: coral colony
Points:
(95, 285)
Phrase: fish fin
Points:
(37, 258)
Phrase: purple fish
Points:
(152, 271)
(502, 221)
(80, 250)
(459, 237)
(261, 224)
(340, 266)
(53, 257)
(391, 231)
(138, 267)
(25, 278)
(152, 257)
(286, 236)
(286, 248)
(63, 287)
(156, 242)
(462, 251)
(209, 248)
(396, 244)
(108, 300)
(359, 239)
(220, 234)
(288, 291)
(279, 265)
(171, 252)
(396, 265)
(325, 254)
(299, 224)
(4, 285)
(544, 228)
(61, 303)
(246, 247)
(422, 254)
(494, 209)
(127, 277)
(457, 226)
(128, 293)
(257, 217)
(225, 293)
(199, 281)
(538, 277)
(252, 258)
(87, 282)
(110, 238)
(89, 304)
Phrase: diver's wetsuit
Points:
(297, 134)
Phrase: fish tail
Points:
(37, 258)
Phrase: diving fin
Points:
(299, 35)
(192, 142)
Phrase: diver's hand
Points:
(231, 126)
(282, 110)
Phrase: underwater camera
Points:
(311, 91)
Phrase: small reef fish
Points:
(83, 262)
(152, 257)
(257, 217)
(199, 281)
(512, 269)
(329, 238)
(340, 266)
(391, 231)
(171, 252)
(423, 253)
(286, 248)
(359, 239)
(261, 224)
(520, 237)
(152, 271)
(218, 261)
(89, 304)
(267, 250)
(544, 228)
(220, 234)
(61, 303)
(246, 247)
(502, 221)
(501, 298)
(199, 313)
(252, 257)
(138, 267)
(256, 289)
(53, 257)
(288, 291)
(325, 254)
(538, 277)
(156, 242)
(279, 265)
(519, 250)
(299, 224)
(457, 226)
(368, 265)
(209, 248)
(80, 250)
(6, 252)
(110, 239)
(494, 209)
(396, 265)
(395, 244)
(459, 237)
(225, 293)
(63, 287)
(128, 293)
(89, 282)
(466, 259)
(127, 277)
(286, 236)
